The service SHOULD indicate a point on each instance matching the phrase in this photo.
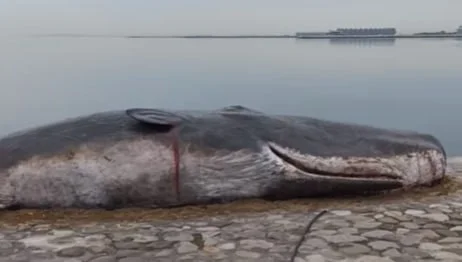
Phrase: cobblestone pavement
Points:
(418, 226)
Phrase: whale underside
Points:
(147, 157)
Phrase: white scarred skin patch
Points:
(141, 168)
(412, 169)
(87, 175)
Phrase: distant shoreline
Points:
(311, 37)
(402, 36)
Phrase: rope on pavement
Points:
(307, 229)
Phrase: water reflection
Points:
(458, 42)
(363, 42)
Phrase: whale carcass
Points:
(147, 157)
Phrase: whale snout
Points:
(424, 168)
(420, 168)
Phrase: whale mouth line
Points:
(314, 171)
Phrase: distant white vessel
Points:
(350, 32)
(389, 31)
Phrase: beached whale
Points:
(144, 157)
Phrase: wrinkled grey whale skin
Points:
(126, 159)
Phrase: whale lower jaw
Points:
(413, 169)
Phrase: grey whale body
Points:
(147, 157)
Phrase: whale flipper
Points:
(156, 117)
(238, 109)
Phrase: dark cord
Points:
(307, 229)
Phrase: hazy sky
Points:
(226, 17)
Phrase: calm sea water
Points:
(406, 84)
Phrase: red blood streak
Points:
(176, 163)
